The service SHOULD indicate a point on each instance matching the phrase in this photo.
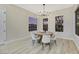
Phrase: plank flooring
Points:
(63, 46)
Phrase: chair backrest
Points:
(53, 37)
(33, 36)
(46, 38)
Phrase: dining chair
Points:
(46, 40)
(53, 38)
(34, 38)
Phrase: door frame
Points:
(3, 17)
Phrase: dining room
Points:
(39, 29)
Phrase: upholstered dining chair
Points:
(53, 38)
(34, 38)
(46, 40)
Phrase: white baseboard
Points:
(23, 38)
(13, 40)
(67, 38)
(77, 45)
(1, 43)
(63, 35)
(76, 41)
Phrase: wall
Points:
(40, 23)
(17, 22)
(68, 22)
(76, 38)
(19, 17)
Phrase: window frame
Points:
(30, 27)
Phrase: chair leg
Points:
(55, 42)
(33, 42)
(42, 45)
(49, 46)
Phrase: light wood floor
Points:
(25, 47)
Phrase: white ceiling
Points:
(36, 8)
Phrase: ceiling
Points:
(36, 8)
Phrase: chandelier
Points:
(44, 12)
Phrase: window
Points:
(77, 21)
(32, 23)
(45, 24)
(59, 23)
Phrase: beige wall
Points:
(76, 38)
(17, 21)
(40, 23)
(68, 22)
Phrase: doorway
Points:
(2, 25)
